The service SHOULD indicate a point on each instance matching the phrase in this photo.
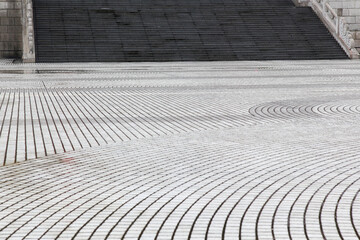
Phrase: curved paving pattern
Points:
(255, 150)
(287, 110)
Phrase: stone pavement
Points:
(211, 150)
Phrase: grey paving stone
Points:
(213, 150)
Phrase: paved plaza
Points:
(183, 150)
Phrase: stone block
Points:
(3, 13)
(354, 27)
(14, 29)
(5, 37)
(3, 29)
(10, 54)
(6, 21)
(14, 13)
(357, 35)
(5, 5)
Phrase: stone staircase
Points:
(173, 30)
(342, 18)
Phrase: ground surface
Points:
(215, 150)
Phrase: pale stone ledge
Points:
(28, 32)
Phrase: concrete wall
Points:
(10, 28)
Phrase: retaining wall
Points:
(10, 28)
